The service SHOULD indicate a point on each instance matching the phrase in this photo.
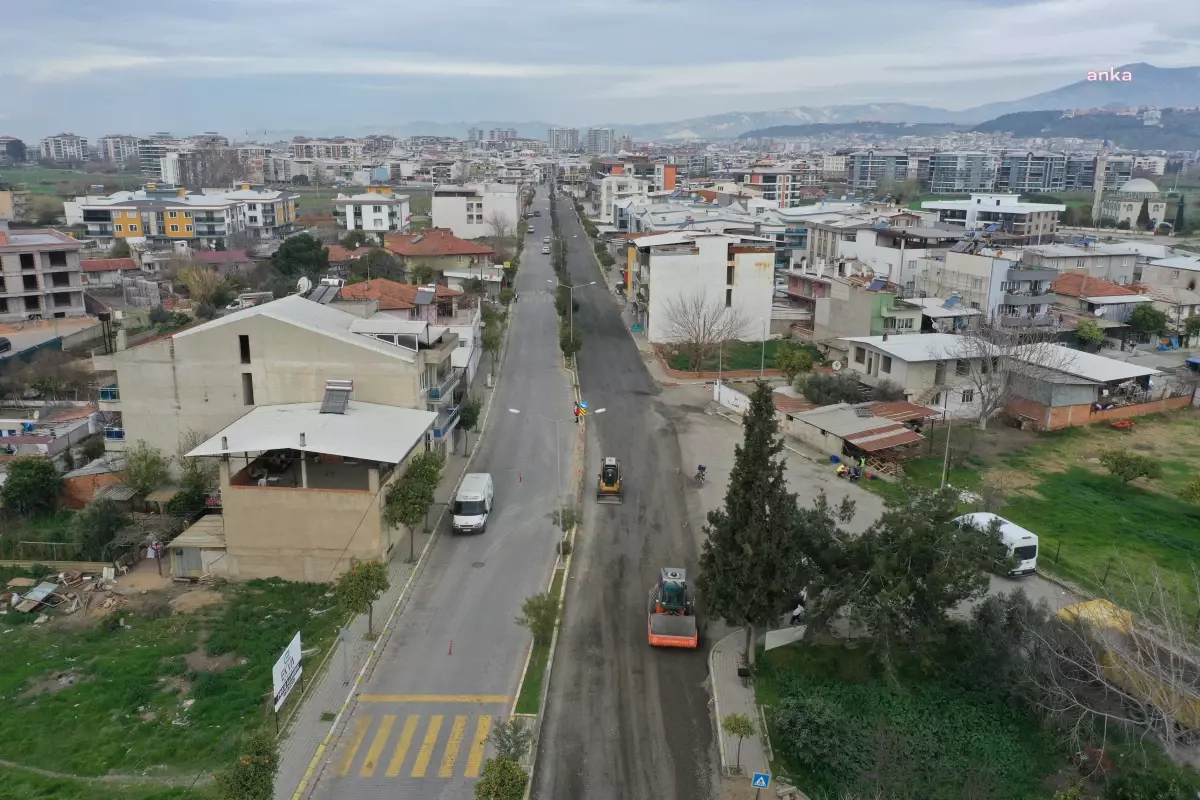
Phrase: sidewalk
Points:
(733, 696)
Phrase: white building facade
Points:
(372, 212)
(470, 211)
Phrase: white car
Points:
(531, 229)
(546, 250)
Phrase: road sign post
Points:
(760, 781)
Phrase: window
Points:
(729, 298)
(187, 215)
(961, 366)
(860, 355)
(253, 206)
(172, 214)
(244, 348)
(886, 364)
(118, 227)
(377, 209)
(968, 395)
(729, 275)
(57, 259)
(187, 228)
(174, 229)
(247, 389)
(133, 228)
(1174, 273)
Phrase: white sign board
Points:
(287, 671)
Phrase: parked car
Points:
(537, 213)
(6, 345)
(531, 229)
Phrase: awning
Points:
(883, 438)
(208, 533)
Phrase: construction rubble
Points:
(64, 592)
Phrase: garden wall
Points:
(1060, 417)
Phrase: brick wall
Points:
(1060, 417)
(78, 492)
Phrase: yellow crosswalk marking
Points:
(475, 757)
(377, 745)
(451, 756)
(426, 752)
(406, 737)
(356, 739)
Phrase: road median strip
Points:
(529, 698)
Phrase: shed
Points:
(869, 429)
(200, 549)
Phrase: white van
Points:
(1020, 543)
(473, 503)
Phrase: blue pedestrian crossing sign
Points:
(761, 780)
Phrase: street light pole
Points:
(762, 364)
(946, 458)
(570, 302)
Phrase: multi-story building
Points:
(867, 169)
(150, 155)
(1153, 165)
(376, 210)
(269, 213)
(474, 210)
(1080, 173)
(475, 137)
(1118, 170)
(40, 275)
(600, 141)
(14, 201)
(338, 148)
(671, 272)
(961, 172)
(563, 140)
(1032, 172)
(118, 149)
(65, 148)
(253, 159)
(833, 166)
(502, 134)
(12, 150)
(998, 212)
(203, 166)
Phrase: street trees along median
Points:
(359, 587)
(502, 779)
(752, 564)
(539, 613)
(410, 497)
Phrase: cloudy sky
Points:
(138, 66)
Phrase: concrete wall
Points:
(731, 398)
(194, 382)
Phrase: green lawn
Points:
(529, 701)
(924, 739)
(68, 182)
(23, 785)
(743, 355)
(49, 528)
(125, 713)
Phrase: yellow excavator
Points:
(608, 490)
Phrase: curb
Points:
(716, 701)
(311, 773)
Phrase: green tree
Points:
(146, 468)
(93, 448)
(792, 360)
(468, 417)
(1180, 220)
(474, 287)
(1143, 217)
(512, 739)
(502, 779)
(900, 192)
(750, 564)
(120, 249)
(408, 500)
(1148, 319)
(32, 486)
(1129, 466)
(252, 775)
(569, 341)
(888, 390)
(421, 274)
(95, 527)
(1191, 327)
(301, 255)
(377, 264)
(539, 614)
(355, 239)
(825, 388)
(492, 340)
(738, 725)
(359, 587)
(1191, 490)
(1089, 333)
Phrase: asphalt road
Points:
(624, 720)
(451, 667)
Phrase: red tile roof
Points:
(25, 438)
(340, 255)
(1080, 284)
(434, 242)
(222, 257)
(107, 264)
(901, 411)
(392, 295)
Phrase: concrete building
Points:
(40, 275)
(14, 201)
(600, 141)
(1095, 297)
(712, 270)
(1004, 211)
(12, 150)
(857, 304)
(118, 149)
(612, 188)
(867, 169)
(336, 149)
(888, 251)
(1125, 204)
(376, 210)
(1115, 261)
(470, 211)
(975, 278)
(933, 368)
(563, 140)
(959, 172)
(204, 378)
(1032, 173)
(65, 148)
(303, 488)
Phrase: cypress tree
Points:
(1143, 218)
(750, 565)
(1179, 215)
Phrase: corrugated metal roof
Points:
(163, 494)
(118, 492)
(207, 533)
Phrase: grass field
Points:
(50, 528)
(529, 701)
(68, 182)
(166, 695)
(19, 784)
(743, 355)
(1089, 522)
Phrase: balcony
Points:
(445, 389)
(1019, 321)
(1032, 275)
(1028, 298)
(445, 422)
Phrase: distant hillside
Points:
(880, 128)
(1180, 129)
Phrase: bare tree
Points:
(699, 325)
(995, 362)
(505, 235)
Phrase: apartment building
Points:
(1116, 262)
(998, 212)
(205, 378)
(469, 211)
(1032, 173)
(888, 250)
(563, 140)
(151, 152)
(961, 172)
(600, 141)
(828, 234)
(40, 275)
(662, 175)
(269, 213)
(782, 185)
(12, 150)
(867, 169)
(117, 149)
(447, 256)
(714, 270)
(1002, 288)
(1154, 165)
(850, 304)
(338, 149)
(834, 166)
(1080, 173)
(14, 201)
(65, 148)
(163, 216)
(376, 210)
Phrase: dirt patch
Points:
(55, 683)
(200, 661)
(193, 600)
(176, 683)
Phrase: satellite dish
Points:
(304, 285)
(837, 366)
